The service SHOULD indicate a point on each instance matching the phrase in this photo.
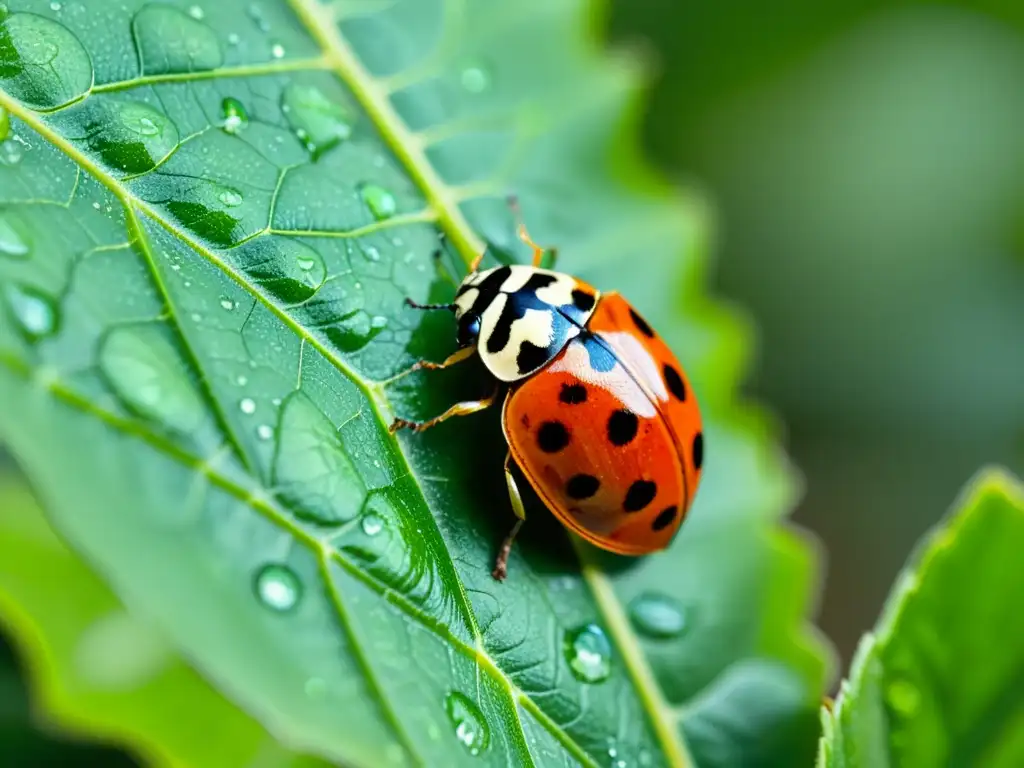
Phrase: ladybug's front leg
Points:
(459, 409)
(501, 564)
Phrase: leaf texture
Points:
(210, 215)
(938, 681)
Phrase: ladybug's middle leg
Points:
(501, 564)
(524, 235)
(459, 409)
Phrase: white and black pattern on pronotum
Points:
(527, 316)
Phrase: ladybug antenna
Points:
(409, 302)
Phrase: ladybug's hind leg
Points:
(459, 409)
(501, 564)
(464, 353)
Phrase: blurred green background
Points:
(866, 164)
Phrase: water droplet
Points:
(355, 330)
(42, 63)
(319, 122)
(371, 253)
(588, 652)
(288, 269)
(264, 432)
(128, 135)
(278, 588)
(378, 323)
(196, 12)
(97, 206)
(145, 367)
(313, 474)
(35, 312)
(12, 150)
(55, 6)
(903, 696)
(315, 687)
(234, 39)
(657, 616)
(230, 197)
(372, 524)
(381, 203)
(277, 51)
(247, 406)
(235, 116)
(12, 242)
(468, 721)
(170, 41)
(242, 381)
(227, 304)
(475, 79)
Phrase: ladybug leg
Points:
(456, 357)
(459, 409)
(501, 564)
(524, 235)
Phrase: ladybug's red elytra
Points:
(598, 415)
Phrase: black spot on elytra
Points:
(531, 356)
(640, 323)
(573, 394)
(582, 486)
(552, 436)
(640, 494)
(664, 518)
(582, 300)
(622, 427)
(698, 450)
(674, 382)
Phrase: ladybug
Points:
(599, 415)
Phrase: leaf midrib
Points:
(409, 149)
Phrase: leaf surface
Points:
(938, 682)
(101, 671)
(209, 218)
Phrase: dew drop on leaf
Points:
(42, 63)
(264, 432)
(35, 313)
(13, 243)
(381, 203)
(315, 688)
(247, 406)
(236, 118)
(196, 12)
(467, 720)
(170, 41)
(287, 269)
(128, 135)
(903, 697)
(475, 79)
(12, 150)
(658, 616)
(231, 198)
(277, 51)
(278, 588)
(319, 122)
(146, 371)
(372, 524)
(588, 652)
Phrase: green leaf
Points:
(938, 682)
(104, 673)
(208, 224)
